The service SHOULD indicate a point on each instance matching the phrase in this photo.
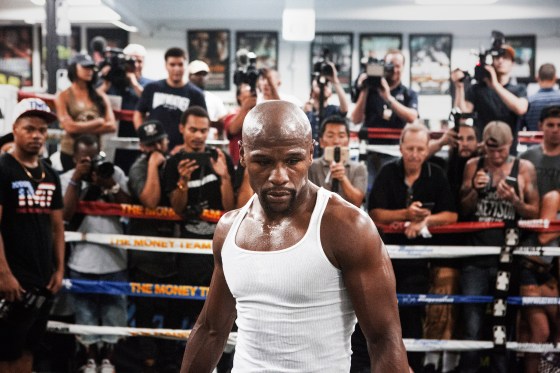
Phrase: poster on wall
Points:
(376, 45)
(430, 63)
(337, 48)
(524, 64)
(212, 47)
(113, 38)
(16, 52)
(263, 43)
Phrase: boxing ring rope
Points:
(204, 247)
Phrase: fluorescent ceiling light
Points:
(125, 27)
(92, 14)
(455, 2)
(298, 24)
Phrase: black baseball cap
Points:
(151, 131)
(84, 60)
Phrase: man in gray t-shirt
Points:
(343, 176)
(546, 156)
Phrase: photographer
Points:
(145, 181)
(121, 74)
(391, 105)
(495, 97)
(342, 175)
(94, 179)
(327, 79)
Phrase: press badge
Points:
(387, 113)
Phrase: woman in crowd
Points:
(81, 109)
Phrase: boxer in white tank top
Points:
(295, 266)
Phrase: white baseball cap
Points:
(31, 107)
(198, 66)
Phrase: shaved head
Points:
(277, 121)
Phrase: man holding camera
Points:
(386, 104)
(94, 179)
(334, 171)
(198, 181)
(165, 100)
(389, 105)
(496, 187)
(326, 79)
(495, 98)
(145, 181)
(31, 237)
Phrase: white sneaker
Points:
(106, 367)
(90, 367)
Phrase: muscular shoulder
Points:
(345, 230)
(222, 229)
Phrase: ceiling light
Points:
(455, 2)
(298, 24)
(39, 2)
(92, 14)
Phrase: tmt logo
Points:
(28, 197)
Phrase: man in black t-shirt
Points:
(198, 182)
(165, 100)
(496, 97)
(415, 192)
(31, 240)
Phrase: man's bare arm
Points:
(209, 335)
(368, 276)
(55, 282)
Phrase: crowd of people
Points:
(481, 179)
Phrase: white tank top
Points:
(293, 310)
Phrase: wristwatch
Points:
(112, 190)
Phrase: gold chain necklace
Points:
(28, 173)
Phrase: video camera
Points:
(120, 64)
(322, 68)
(498, 40)
(247, 72)
(375, 70)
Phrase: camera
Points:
(202, 158)
(498, 40)
(101, 166)
(322, 68)
(247, 72)
(120, 64)
(375, 70)
(32, 299)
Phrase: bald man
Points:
(296, 265)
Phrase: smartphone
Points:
(202, 158)
(511, 181)
(428, 205)
(337, 153)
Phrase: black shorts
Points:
(23, 328)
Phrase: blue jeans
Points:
(99, 309)
(478, 280)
